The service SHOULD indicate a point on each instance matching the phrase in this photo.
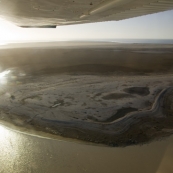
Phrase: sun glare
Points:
(3, 133)
(3, 76)
(3, 43)
(2, 129)
(4, 73)
(8, 32)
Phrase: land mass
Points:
(110, 94)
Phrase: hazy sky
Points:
(155, 26)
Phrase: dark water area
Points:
(120, 113)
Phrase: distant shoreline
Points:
(118, 41)
(86, 44)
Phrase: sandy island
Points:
(113, 94)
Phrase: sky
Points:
(155, 26)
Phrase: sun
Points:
(8, 32)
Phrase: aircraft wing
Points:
(50, 13)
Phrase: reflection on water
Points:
(2, 74)
(9, 150)
(4, 77)
(25, 153)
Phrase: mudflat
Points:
(106, 93)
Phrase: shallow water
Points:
(24, 153)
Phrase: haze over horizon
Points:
(154, 26)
